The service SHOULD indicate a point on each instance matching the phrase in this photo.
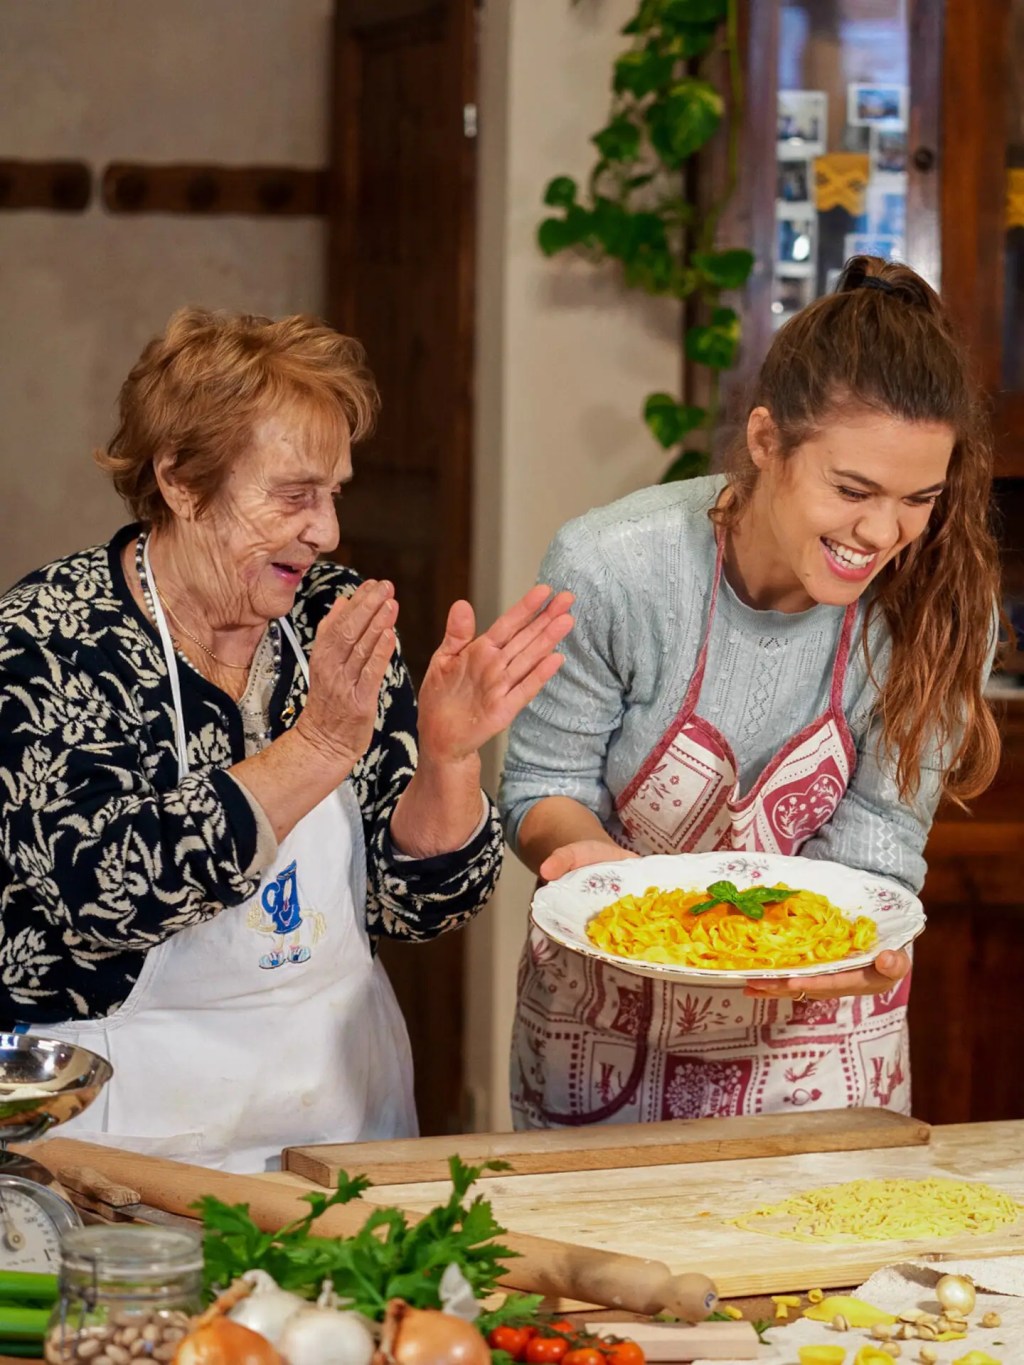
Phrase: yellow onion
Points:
(223, 1342)
(426, 1336)
(956, 1292)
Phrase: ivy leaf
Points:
(681, 122)
(619, 140)
(610, 224)
(561, 192)
(637, 182)
(648, 14)
(645, 230)
(693, 12)
(640, 73)
(670, 420)
(692, 40)
(557, 234)
(716, 344)
(691, 464)
(725, 269)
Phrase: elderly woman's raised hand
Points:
(347, 664)
(476, 685)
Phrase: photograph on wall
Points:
(795, 245)
(885, 212)
(888, 151)
(802, 127)
(872, 244)
(855, 138)
(793, 181)
(876, 105)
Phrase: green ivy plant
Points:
(665, 109)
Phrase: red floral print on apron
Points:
(594, 1044)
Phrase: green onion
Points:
(22, 1348)
(19, 1323)
(24, 1285)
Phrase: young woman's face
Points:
(831, 515)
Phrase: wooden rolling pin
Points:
(542, 1266)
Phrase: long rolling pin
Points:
(543, 1265)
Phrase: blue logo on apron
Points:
(282, 916)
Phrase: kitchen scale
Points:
(43, 1082)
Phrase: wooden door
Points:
(400, 277)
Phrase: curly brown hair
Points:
(198, 391)
(893, 348)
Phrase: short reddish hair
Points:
(200, 388)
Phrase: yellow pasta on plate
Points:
(727, 916)
(799, 929)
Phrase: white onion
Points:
(325, 1336)
(267, 1308)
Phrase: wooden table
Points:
(681, 1213)
(632, 1192)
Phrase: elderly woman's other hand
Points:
(476, 685)
(349, 659)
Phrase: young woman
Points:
(791, 659)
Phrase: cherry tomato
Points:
(565, 1326)
(511, 1339)
(547, 1350)
(584, 1355)
(624, 1353)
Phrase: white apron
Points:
(268, 1026)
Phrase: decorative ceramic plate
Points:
(563, 909)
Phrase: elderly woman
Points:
(214, 794)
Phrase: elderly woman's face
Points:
(273, 517)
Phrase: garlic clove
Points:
(956, 1292)
(267, 1310)
(326, 1336)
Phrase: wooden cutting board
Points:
(679, 1213)
(611, 1147)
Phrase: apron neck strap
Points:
(293, 640)
(170, 659)
(172, 666)
(838, 665)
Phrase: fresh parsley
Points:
(388, 1258)
(750, 902)
(760, 1325)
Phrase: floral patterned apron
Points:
(594, 1044)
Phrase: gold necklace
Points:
(148, 588)
(239, 668)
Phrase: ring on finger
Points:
(798, 998)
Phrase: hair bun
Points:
(888, 277)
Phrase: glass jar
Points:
(126, 1293)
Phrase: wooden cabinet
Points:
(896, 127)
(968, 997)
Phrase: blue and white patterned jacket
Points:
(103, 852)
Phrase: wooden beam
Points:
(209, 190)
(60, 186)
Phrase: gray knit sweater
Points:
(642, 570)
